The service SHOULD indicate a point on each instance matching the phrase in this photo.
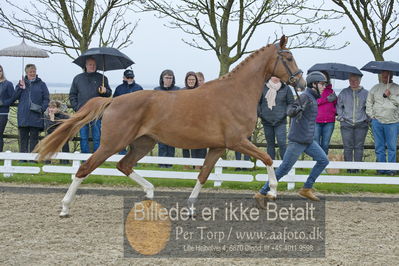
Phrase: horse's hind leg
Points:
(138, 149)
(210, 161)
(86, 168)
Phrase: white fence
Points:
(218, 176)
(292, 177)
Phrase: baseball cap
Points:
(128, 73)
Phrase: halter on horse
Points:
(219, 114)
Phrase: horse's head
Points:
(285, 66)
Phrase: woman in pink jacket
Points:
(325, 119)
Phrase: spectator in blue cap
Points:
(129, 85)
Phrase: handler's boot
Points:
(308, 193)
(261, 199)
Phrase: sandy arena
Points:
(361, 230)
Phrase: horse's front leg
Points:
(248, 148)
(210, 161)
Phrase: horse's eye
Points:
(289, 58)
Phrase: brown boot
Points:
(308, 193)
(261, 200)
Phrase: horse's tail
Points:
(53, 143)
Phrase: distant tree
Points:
(226, 27)
(69, 26)
(376, 22)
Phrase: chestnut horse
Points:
(219, 114)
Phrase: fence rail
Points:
(218, 176)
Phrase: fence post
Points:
(7, 163)
(218, 171)
(75, 163)
(291, 185)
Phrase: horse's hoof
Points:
(64, 215)
(262, 200)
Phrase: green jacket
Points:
(385, 110)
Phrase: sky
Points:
(156, 47)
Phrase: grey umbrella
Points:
(336, 70)
(379, 66)
(23, 50)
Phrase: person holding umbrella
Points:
(351, 113)
(85, 86)
(33, 96)
(383, 108)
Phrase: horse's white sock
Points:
(70, 195)
(147, 186)
(196, 191)
(272, 180)
(193, 197)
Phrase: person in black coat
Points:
(85, 86)
(6, 99)
(167, 82)
(129, 85)
(276, 98)
(191, 82)
(52, 118)
(33, 97)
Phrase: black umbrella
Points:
(336, 70)
(107, 58)
(379, 66)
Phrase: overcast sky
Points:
(157, 47)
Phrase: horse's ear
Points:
(283, 41)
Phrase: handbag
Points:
(37, 108)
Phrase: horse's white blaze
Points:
(70, 195)
(272, 180)
(147, 186)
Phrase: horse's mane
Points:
(246, 60)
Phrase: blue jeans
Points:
(238, 156)
(385, 135)
(165, 151)
(323, 133)
(272, 133)
(194, 153)
(292, 154)
(95, 127)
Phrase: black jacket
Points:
(85, 86)
(125, 88)
(303, 122)
(6, 96)
(49, 125)
(278, 114)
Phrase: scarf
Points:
(272, 93)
